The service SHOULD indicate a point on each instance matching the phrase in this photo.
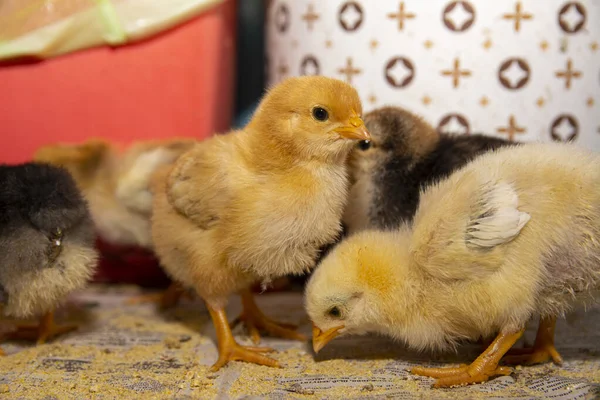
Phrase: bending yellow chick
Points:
(259, 203)
(514, 233)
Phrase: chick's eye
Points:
(55, 246)
(334, 312)
(364, 145)
(320, 114)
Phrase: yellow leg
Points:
(166, 299)
(230, 350)
(256, 321)
(480, 370)
(543, 349)
(2, 353)
(41, 332)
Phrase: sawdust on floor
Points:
(136, 351)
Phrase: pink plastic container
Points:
(179, 83)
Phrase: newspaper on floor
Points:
(124, 350)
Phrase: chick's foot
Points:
(145, 298)
(45, 330)
(166, 299)
(230, 350)
(543, 349)
(256, 321)
(480, 370)
(465, 375)
(235, 352)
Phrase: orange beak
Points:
(320, 339)
(355, 130)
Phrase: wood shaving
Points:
(168, 357)
(297, 388)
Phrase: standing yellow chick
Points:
(514, 233)
(256, 204)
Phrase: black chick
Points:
(46, 244)
(405, 154)
(387, 173)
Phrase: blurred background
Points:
(126, 71)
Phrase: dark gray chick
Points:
(46, 244)
(405, 154)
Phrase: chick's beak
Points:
(320, 339)
(355, 129)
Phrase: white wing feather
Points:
(498, 220)
(133, 188)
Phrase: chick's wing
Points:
(198, 186)
(463, 227)
(495, 218)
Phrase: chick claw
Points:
(533, 356)
(251, 354)
(480, 370)
(460, 376)
(229, 349)
(256, 321)
(145, 298)
(542, 351)
(166, 299)
(47, 329)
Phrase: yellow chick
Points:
(259, 203)
(514, 233)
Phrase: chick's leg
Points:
(256, 321)
(543, 349)
(41, 332)
(48, 329)
(230, 350)
(480, 370)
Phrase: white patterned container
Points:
(527, 70)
